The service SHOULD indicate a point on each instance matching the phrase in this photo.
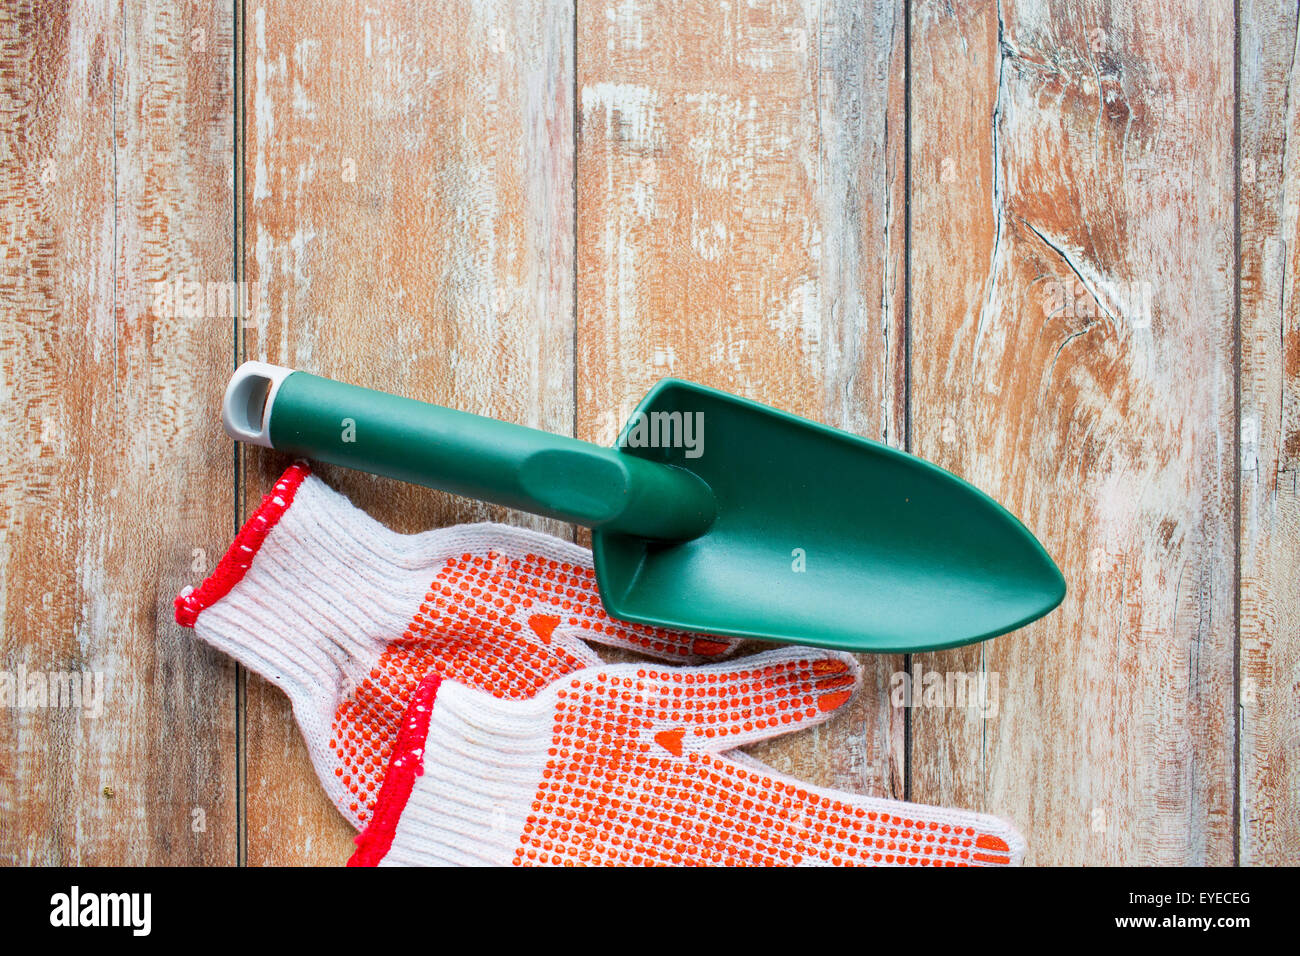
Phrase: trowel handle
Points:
(470, 455)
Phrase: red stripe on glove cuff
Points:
(239, 558)
(407, 763)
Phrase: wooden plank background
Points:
(1269, 775)
(115, 489)
(1050, 246)
(1088, 149)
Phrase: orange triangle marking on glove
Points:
(831, 701)
(671, 740)
(707, 648)
(544, 626)
(827, 666)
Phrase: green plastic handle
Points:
(511, 465)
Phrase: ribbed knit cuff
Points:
(309, 593)
(460, 782)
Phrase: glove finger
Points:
(721, 706)
(832, 827)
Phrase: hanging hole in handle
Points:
(246, 407)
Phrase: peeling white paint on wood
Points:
(1269, 442)
(117, 172)
(431, 255)
(1108, 434)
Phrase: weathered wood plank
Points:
(116, 163)
(1270, 435)
(1072, 354)
(740, 224)
(408, 219)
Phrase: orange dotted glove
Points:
(628, 764)
(346, 616)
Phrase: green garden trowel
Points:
(713, 514)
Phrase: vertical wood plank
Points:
(740, 224)
(408, 221)
(1270, 435)
(1072, 354)
(116, 162)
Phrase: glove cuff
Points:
(486, 758)
(308, 594)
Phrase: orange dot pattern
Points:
(624, 786)
(486, 622)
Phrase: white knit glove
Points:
(627, 765)
(346, 616)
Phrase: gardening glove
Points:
(627, 764)
(346, 616)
